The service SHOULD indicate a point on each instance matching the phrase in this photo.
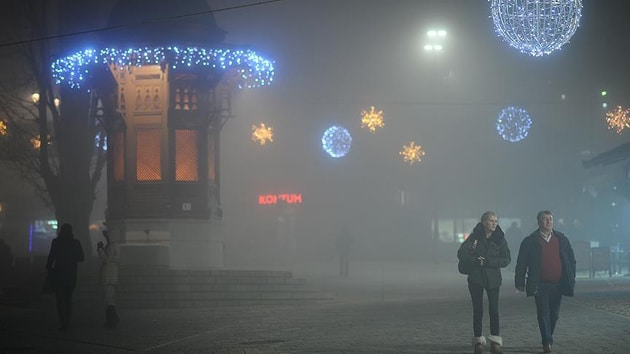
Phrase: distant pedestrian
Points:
(6, 264)
(344, 243)
(545, 269)
(109, 253)
(514, 235)
(484, 253)
(65, 253)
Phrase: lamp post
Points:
(434, 43)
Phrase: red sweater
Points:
(550, 264)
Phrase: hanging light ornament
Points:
(412, 153)
(336, 141)
(3, 128)
(262, 134)
(372, 119)
(536, 27)
(513, 124)
(618, 119)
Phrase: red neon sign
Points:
(273, 199)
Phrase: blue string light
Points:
(336, 141)
(536, 27)
(74, 70)
(513, 124)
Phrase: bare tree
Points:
(54, 140)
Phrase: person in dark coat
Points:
(65, 253)
(484, 253)
(545, 269)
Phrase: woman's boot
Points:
(495, 344)
(479, 344)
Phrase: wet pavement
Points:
(380, 308)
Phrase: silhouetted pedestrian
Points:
(6, 263)
(514, 235)
(344, 242)
(65, 253)
(109, 253)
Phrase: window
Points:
(186, 169)
(148, 157)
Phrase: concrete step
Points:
(150, 288)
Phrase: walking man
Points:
(545, 269)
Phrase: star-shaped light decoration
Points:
(262, 134)
(412, 153)
(3, 128)
(618, 119)
(372, 119)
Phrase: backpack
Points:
(462, 268)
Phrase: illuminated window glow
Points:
(186, 156)
(148, 156)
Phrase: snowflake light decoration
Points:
(262, 134)
(336, 141)
(618, 119)
(412, 153)
(74, 70)
(3, 128)
(536, 27)
(513, 124)
(372, 119)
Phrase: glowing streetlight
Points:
(435, 40)
(35, 99)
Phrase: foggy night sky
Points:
(336, 58)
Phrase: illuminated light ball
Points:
(536, 27)
(513, 124)
(336, 141)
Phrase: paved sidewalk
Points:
(395, 309)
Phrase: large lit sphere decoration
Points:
(336, 141)
(262, 134)
(536, 27)
(74, 70)
(372, 119)
(513, 124)
(3, 128)
(618, 119)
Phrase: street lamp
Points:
(435, 40)
(35, 99)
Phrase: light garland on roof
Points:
(74, 70)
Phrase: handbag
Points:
(463, 267)
(49, 284)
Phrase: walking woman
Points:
(65, 253)
(483, 254)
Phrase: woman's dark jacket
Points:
(529, 260)
(65, 253)
(495, 251)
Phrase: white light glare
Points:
(438, 33)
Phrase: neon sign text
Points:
(273, 199)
